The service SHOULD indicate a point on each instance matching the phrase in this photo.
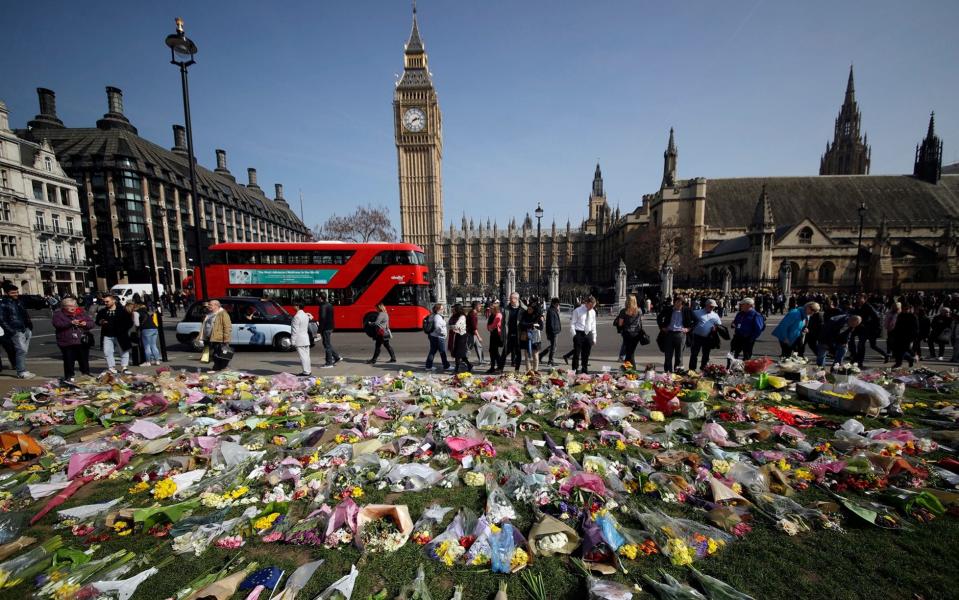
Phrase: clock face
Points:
(414, 120)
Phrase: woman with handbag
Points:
(531, 335)
(73, 337)
(215, 333)
(381, 335)
(630, 325)
(459, 340)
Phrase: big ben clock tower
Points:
(417, 126)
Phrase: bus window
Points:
(401, 295)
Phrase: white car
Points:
(256, 322)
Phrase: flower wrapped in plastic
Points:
(28, 564)
(341, 528)
(310, 531)
(498, 506)
(425, 527)
(684, 540)
(509, 551)
(451, 545)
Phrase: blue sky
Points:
(532, 93)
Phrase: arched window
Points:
(826, 272)
(805, 235)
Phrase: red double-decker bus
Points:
(355, 278)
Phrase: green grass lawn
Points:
(861, 563)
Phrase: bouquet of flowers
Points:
(508, 549)
(755, 366)
(498, 506)
(715, 371)
(311, 530)
(451, 545)
(383, 527)
(551, 536)
(424, 527)
(684, 540)
(341, 528)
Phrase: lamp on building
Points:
(862, 217)
(539, 245)
(182, 52)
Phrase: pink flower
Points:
(272, 537)
(230, 542)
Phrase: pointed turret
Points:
(850, 87)
(928, 165)
(848, 154)
(670, 159)
(416, 73)
(414, 45)
(598, 182)
(763, 214)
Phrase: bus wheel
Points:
(282, 342)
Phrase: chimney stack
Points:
(115, 119)
(47, 119)
(179, 140)
(114, 100)
(4, 119)
(251, 175)
(221, 160)
(279, 193)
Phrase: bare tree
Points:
(654, 247)
(366, 224)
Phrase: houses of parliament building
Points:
(887, 232)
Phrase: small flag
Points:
(267, 577)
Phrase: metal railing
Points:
(58, 230)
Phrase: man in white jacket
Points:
(300, 334)
(582, 325)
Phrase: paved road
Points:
(355, 347)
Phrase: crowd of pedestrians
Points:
(525, 334)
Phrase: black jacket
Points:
(553, 323)
(116, 325)
(665, 316)
(325, 322)
(835, 331)
(871, 321)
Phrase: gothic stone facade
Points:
(752, 228)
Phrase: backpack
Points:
(429, 324)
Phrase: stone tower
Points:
(928, 166)
(417, 124)
(761, 232)
(599, 212)
(849, 152)
(670, 158)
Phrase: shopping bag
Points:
(205, 357)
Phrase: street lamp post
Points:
(182, 51)
(862, 216)
(539, 246)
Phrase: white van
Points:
(125, 291)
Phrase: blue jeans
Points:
(109, 346)
(437, 344)
(148, 341)
(20, 342)
(838, 352)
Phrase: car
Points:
(256, 322)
